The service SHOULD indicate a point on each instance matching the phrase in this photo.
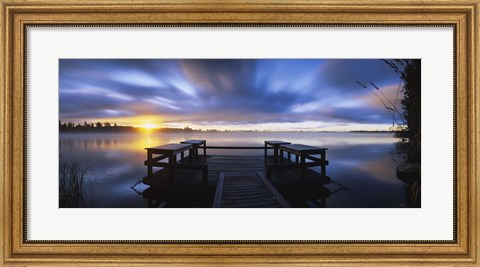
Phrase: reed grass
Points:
(76, 185)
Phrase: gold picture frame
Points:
(16, 14)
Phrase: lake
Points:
(361, 162)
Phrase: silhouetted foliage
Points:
(107, 127)
(76, 185)
(94, 127)
(406, 123)
(411, 103)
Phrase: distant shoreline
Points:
(130, 129)
(70, 127)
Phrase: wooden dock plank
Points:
(252, 205)
(246, 191)
(218, 194)
(246, 197)
(242, 184)
(280, 200)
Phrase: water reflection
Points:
(360, 161)
(179, 197)
(311, 195)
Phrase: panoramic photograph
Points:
(239, 133)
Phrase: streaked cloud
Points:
(282, 94)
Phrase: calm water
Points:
(359, 161)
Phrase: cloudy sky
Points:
(233, 94)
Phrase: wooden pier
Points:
(234, 165)
(236, 181)
(240, 191)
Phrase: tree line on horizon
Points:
(98, 126)
(109, 127)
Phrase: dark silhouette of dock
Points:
(234, 165)
(230, 181)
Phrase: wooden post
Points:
(296, 159)
(302, 168)
(205, 150)
(265, 152)
(275, 153)
(171, 165)
(323, 168)
(183, 155)
(149, 166)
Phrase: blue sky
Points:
(229, 94)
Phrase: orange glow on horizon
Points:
(148, 126)
(147, 123)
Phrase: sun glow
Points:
(148, 126)
(143, 122)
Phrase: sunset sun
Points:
(148, 126)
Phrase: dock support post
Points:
(149, 167)
(171, 164)
(275, 154)
(323, 168)
(302, 168)
(265, 153)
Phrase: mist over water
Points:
(360, 161)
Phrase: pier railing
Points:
(304, 158)
(237, 147)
